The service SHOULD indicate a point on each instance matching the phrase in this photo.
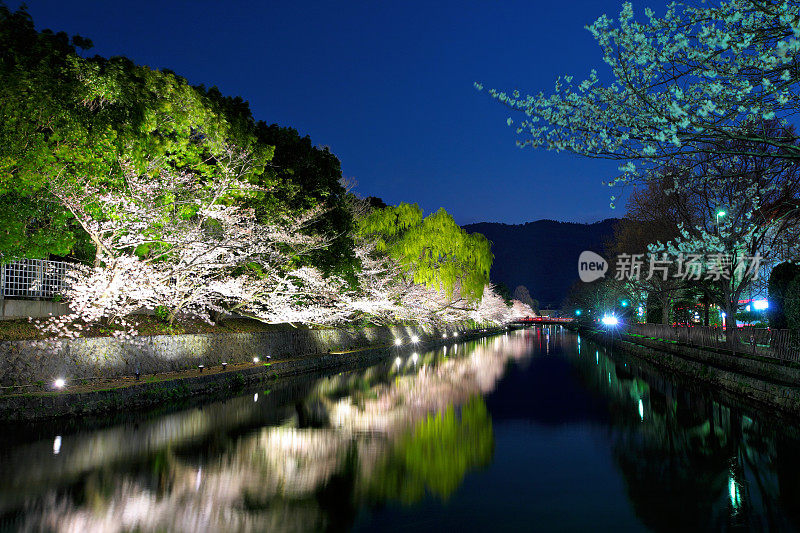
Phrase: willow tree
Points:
(436, 455)
(434, 251)
(692, 81)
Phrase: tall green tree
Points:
(72, 123)
(307, 177)
(33, 71)
(434, 250)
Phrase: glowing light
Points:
(455, 334)
(414, 339)
(723, 315)
(57, 445)
(256, 359)
(641, 410)
(255, 397)
(398, 342)
(578, 312)
(414, 357)
(624, 303)
(59, 383)
(760, 305)
(609, 320)
(641, 311)
(444, 335)
(733, 492)
(398, 361)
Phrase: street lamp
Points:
(720, 213)
(609, 320)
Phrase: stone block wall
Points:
(28, 362)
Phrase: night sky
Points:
(388, 86)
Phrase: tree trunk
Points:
(666, 308)
(97, 256)
(731, 331)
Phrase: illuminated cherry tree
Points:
(175, 240)
(683, 83)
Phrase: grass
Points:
(14, 330)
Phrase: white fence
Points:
(33, 278)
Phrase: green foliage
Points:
(162, 313)
(35, 228)
(74, 123)
(436, 455)
(780, 279)
(749, 317)
(304, 177)
(434, 249)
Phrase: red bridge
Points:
(543, 320)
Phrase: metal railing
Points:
(33, 278)
(782, 344)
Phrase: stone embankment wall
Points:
(29, 362)
(23, 309)
(769, 383)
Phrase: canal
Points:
(534, 429)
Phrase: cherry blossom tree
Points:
(176, 240)
(684, 83)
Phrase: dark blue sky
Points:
(387, 85)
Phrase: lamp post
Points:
(720, 213)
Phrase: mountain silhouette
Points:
(542, 255)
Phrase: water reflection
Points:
(465, 436)
(293, 459)
(691, 462)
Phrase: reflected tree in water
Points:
(434, 457)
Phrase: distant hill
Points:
(542, 255)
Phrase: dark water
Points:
(533, 430)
